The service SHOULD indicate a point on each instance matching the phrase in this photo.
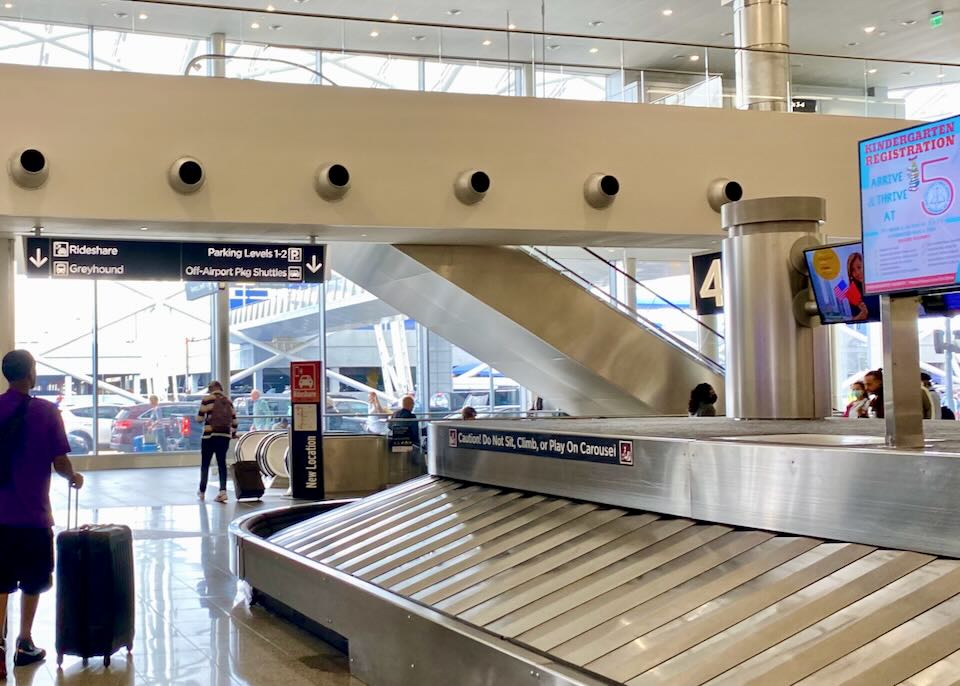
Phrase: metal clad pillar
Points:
(773, 360)
(763, 78)
(902, 406)
(8, 339)
(221, 312)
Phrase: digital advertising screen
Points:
(836, 276)
(910, 217)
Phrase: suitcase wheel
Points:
(106, 660)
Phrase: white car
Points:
(78, 422)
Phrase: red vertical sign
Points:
(305, 382)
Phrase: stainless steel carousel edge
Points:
(392, 641)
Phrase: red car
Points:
(174, 426)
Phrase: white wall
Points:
(110, 138)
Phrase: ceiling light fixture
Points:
(694, 58)
(143, 16)
(120, 15)
(8, 5)
(487, 43)
(553, 46)
(881, 33)
(667, 13)
(869, 29)
(511, 27)
(144, 228)
(726, 34)
(906, 73)
(941, 75)
(596, 23)
(908, 22)
(454, 12)
(271, 8)
(254, 25)
(871, 71)
(594, 51)
(419, 37)
(374, 34)
(852, 44)
(276, 27)
(394, 17)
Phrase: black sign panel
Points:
(617, 451)
(804, 105)
(71, 258)
(306, 430)
(707, 272)
(65, 258)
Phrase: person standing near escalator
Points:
(219, 421)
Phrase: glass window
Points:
(44, 45)
(144, 52)
(472, 78)
(270, 326)
(153, 340)
(571, 85)
(371, 71)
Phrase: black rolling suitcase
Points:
(247, 481)
(95, 591)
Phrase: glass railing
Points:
(622, 291)
(521, 55)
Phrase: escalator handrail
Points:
(650, 326)
(652, 292)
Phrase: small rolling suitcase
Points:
(247, 481)
(95, 590)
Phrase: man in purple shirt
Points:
(32, 440)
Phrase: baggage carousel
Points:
(637, 552)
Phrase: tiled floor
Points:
(193, 626)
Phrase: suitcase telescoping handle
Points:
(73, 499)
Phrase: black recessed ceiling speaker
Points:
(332, 181)
(29, 168)
(186, 175)
(471, 186)
(600, 190)
(722, 191)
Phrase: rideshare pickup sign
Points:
(910, 217)
(72, 258)
(599, 449)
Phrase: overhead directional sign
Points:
(72, 258)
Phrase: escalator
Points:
(537, 322)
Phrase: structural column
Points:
(763, 75)
(221, 307)
(8, 339)
(777, 363)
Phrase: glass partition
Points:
(526, 52)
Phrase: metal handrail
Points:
(195, 62)
(649, 290)
(650, 326)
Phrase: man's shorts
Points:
(26, 560)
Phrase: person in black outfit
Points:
(409, 427)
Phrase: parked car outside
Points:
(338, 405)
(78, 421)
(173, 424)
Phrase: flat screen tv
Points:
(909, 212)
(836, 276)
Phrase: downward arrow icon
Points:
(38, 259)
(313, 265)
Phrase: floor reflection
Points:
(193, 625)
